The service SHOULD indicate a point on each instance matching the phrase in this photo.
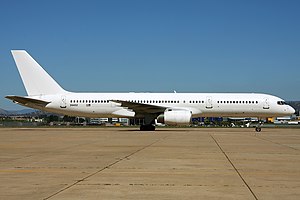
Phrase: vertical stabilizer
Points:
(35, 79)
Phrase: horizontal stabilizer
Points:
(27, 101)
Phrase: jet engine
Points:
(175, 117)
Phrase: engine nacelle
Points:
(176, 117)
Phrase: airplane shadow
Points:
(136, 130)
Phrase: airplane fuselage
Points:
(200, 104)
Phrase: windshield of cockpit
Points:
(281, 103)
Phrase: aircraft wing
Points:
(26, 101)
(141, 108)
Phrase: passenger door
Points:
(209, 104)
(266, 104)
(63, 102)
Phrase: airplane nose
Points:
(291, 110)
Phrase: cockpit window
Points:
(281, 103)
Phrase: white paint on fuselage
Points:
(194, 102)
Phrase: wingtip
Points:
(9, 97)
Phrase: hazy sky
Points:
(155, 46)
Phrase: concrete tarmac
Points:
(170, 163)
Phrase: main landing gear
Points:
(149, 122)
(148, 127)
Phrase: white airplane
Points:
(44, 93)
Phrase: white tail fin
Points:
(35, 79)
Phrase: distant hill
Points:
(17, 112)
(3, 112)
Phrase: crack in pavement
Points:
(236, 170)
(284, 145)
(104, 168)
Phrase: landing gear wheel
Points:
(258, 129)
(148, 127)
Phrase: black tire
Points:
(258, 129)
(149, 127)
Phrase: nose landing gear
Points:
(258, 126)
(258, 129)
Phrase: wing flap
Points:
(140, 107)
